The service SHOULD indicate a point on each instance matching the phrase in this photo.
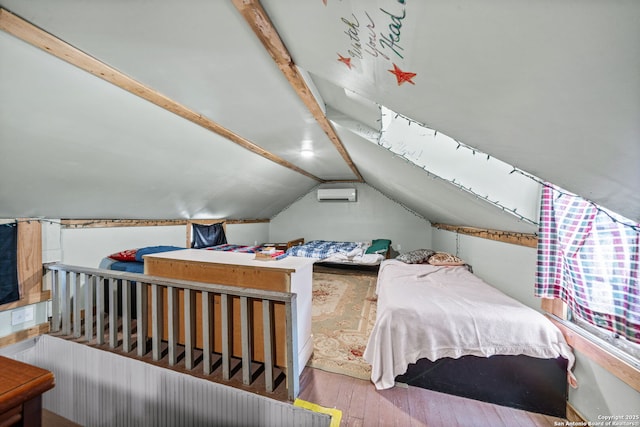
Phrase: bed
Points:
(131, 261)
(329, 252)
(441, 327)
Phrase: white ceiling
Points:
(552, 88)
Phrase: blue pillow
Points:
(154, 250)
(128, 266)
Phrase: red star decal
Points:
(346, 61)
(402, 76)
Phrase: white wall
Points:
(35, 313)
(86, 247)
(601, 393)
(248, 234)
(373, 216)
(510, 268)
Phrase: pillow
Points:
(208, 235)
(417, 256)
(154, 250)
(129, 267)
(443, 258)
(378, 246)
(125, 256)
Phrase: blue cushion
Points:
(154, 250)
(128, 266)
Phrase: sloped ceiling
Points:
(551, 88)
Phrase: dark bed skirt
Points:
(522, 382)
(338, 267)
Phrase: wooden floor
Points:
(402, 406)
(51, 419)
(362, 405)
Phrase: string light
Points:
(462, 187)
(633, 226)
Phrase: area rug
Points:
(343, 314)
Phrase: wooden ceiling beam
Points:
(39, 38)
(513, 237)
(259, 21)
(113, 223)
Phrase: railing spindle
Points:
(293, 381)
(100, 314)
(55, 300)
(142, 322)
(88, 306)
(126, 316)
(65, 293)
(113, 312)
(77, 316)
(268, 344)
(156, 321)
(245, 322)
(189, 327)
(207, 332)
(226, 337)
(172, 318)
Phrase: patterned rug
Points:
(343, 314)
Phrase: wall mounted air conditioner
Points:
(337, 194)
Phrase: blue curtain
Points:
(205, 236)
(9, 290)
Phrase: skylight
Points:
(476, 172)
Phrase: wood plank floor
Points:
(362, 405)
(51, 419)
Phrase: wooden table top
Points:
(20, 382)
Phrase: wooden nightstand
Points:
(21, 388)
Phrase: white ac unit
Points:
(337, 194)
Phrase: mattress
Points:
(427, 311)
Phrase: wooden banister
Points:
(78, 299)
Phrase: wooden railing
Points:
(78, 311)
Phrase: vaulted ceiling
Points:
(198, 108)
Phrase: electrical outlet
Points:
(399, 247)
(29, 314)
(22, 315)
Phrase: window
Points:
(589, 257)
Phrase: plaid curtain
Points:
(588, 258)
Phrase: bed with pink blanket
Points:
(441, 314)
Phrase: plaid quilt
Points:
(228, 247)
(321, 249)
